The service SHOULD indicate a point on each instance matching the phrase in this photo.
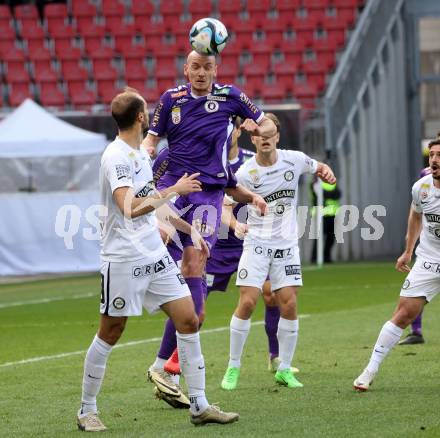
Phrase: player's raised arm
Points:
(132, 206)
(150, 143)
(325, 173)
(266, 128)
(412, 234)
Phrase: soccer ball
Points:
(208, 36)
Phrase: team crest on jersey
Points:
(175, 115)
(288, 175)
(424, 195)
(119, 303)
(211, 106)
(253, 174)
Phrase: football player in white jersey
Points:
(271, 248)
(137, 270)
(423, 281)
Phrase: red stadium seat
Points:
(58, 28)
(286, 69)
(111, 8)
(107, 90)
(104, 70)
(51, 95)
(7, 32)
(167, 8)
(318, 4)
(273, 93)
(18, 92)
(13, 54)
(55, 10)
(152, 31)
(117, 27)
(142, 8)
(252, 70)
(345, 3)
(16, 72)
(96, 50)
(65, 52)
(72, 71)
(200, 9)
(88, 28)
(26, 11)
(83, 8)
(287, 5)
(305, 90)
(135, 70)
(135, 51)
(5, 13)
(83, 99)
(6, 46)
(43, 72)
(31, 30)
(41, 54)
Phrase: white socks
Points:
(159, 363)
(287, 337)
(94, 370)
(388, 337)
(192, 365)
(239, 330)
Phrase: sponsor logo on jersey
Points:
(181, 279)
(433, 267)
(223, 90)
(272, 172)
(156, 115)
(218, 98)
(119, 303)
(425, 186)
(179, 94)
(122, 171)
(432, 217)
(288, 175)
(175, 115)
(248, 102)
(280, 194)
(288, 162)
(211, 106)
(163, 265)
(183, 100)
(276, 253)
(293, 270)
(146, 190)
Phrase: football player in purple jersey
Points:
(198, 119)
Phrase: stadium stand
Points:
(278, 50)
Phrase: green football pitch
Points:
(46, 326)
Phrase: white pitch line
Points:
(47, 300)
(126, 344)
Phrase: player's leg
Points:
(407, 310)
(239, 330)
(287, 335)
(271, 318)
(182, 313)
(415, 336)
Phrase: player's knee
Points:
(192, 268)
(269, 300)
(247, 305)
(202, 316)
(404, 316)
(112, 333)
(189, 324)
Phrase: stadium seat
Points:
(5, 13)
(65, 52)
(273, 93)
(55, 10)
(16, 72)
(287, 5)
(83, 98)
(7, 32)
(229, 12)
(6, 46)
(107, 91)
(13, 54)
(152, 31)
(72, 71)
(112, 8)
(142, 9)
(200, 9)
(318, 4)
(18, 92)
(135, 70)
(51, 95)
(88, 28)
(258, 10)
(43, 72)
(305, 90)
(26, 12)
(345, 3)
(39, 54)
(174, 8)
(96, 50)
(31, 30)
(104, 70)
(83, 8)
(60, 29)
(286, 69)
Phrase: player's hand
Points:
(188, 184)
(199, 242)
(250, 127)
(260, 204)
(326, 174)
(150, 149)
(402, 264)
(240, 230)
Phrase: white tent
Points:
(31, 131)
(48, 165)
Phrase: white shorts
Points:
(126, 287)
(422, 281)
(257, 262)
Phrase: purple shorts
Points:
(219, 268)
(201, 209)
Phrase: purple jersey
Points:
(199, 129)
(425, 171)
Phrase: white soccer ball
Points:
(208, 36)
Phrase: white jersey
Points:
(277, 184)
(124, 239)
(426, 200)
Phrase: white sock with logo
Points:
(94, 370)
(239, 330)
(388, 337)
(192, 365)
(287, 335)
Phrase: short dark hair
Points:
(274, 119)
(435, 142)
(126, 106)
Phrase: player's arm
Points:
(132, 207)
(150, 143)
(230, 220)
(412, 234)
(325, 173)
(244, 196)
(266, 128)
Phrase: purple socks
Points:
(169, 342)
(271, 318)
(416, 325)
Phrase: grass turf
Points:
(344, 307)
